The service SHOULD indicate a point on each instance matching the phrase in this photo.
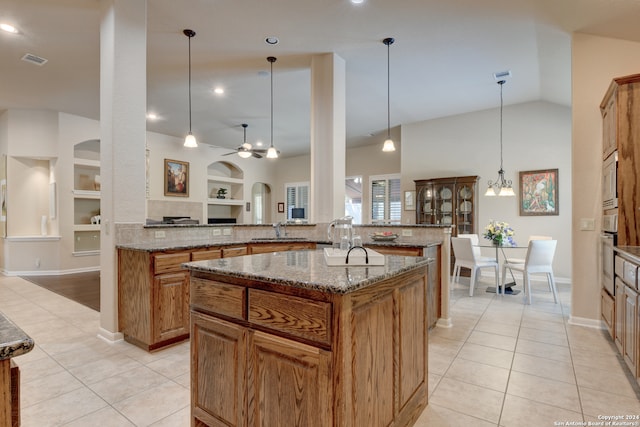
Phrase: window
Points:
(386, 200)
(353, 198)
(297, 197)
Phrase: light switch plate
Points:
(407, 232)
(226, 232)
(160, 234)
(587, 224)
(217, 232)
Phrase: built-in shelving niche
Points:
(86, 198)
(228, 176)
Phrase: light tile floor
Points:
(501, 364)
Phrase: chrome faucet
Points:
(276, 227)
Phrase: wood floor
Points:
(83, 288)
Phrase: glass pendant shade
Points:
(244, 154)
(389, 145)
(190, 141)
(272, 153)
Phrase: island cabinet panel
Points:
(305, 357)
(289, 383)
(300, 317)
(372, 366)
(218, 383)
(219, 298)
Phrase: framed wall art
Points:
(538, 192)
(280, 207)
(410, 200)
(176, 178)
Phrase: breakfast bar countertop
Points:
(307, 270)
(13, 341)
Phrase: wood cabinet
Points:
(279, 355)
(153, 293)
(262, 248)
(608, 304)
(621, 131)
(627, 321)
(448, 201)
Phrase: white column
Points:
(123, 100)
(328, 136)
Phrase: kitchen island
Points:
(283, 339)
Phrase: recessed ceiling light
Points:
(259, 143)
(272, 40)
(218, 91)
(152, 116)
(8, 28)
(357, 1)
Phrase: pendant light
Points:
(190, 140)
(272, 153)
(245, 149)
(500, 186)
(388, 144)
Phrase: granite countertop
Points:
(13, 341)
(631, 251)
(166, 245)
(307, 270)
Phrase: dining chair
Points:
(467, 256)
(531, 237)
(539, 260)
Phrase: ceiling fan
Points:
(246, 150)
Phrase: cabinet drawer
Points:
(300, 317)
(230, 252)
(206, 254)
(280, 247)
(217, 297)
(168, 263)
(627, 270)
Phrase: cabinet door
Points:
(607, 306)
(170, 305)
(630, 328)
(424, 203)
(218, 365)
(444, 202)
(609, 127)
(466, 209)
(289, 383)
(619, 324)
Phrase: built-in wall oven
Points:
(607, 242)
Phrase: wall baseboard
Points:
(110, 337)
(49, 272)
(589, 323)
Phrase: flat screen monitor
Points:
(297, 213)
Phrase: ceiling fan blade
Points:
(228, 154)
(256, 155)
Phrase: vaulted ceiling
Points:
(442, 62)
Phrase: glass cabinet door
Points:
(424, 205)
(444, 203)
(465, 210)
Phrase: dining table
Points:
(501, 249)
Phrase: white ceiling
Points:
(442, 62)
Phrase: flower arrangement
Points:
(500, 233)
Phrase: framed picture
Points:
(410, 200)
(281, 207)
(176, 178)
(538, 193)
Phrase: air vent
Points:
(29, 57)
(502, 75)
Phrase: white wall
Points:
(595, 62)
(536, 135)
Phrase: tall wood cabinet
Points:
(448, 201)
(621, 131)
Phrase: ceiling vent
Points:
(29, 57)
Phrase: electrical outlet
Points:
(160, 234)
(406, 232)
(216, 232)
(37, 262)
(226, 232)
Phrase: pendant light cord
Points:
(189, 82)
(501, 83)
(388, 91)
(271, 74)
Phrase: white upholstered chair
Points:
(532, 237)
(539, 260)
(467, 256)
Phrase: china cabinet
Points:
(448, 201)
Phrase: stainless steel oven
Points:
(607, 242)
